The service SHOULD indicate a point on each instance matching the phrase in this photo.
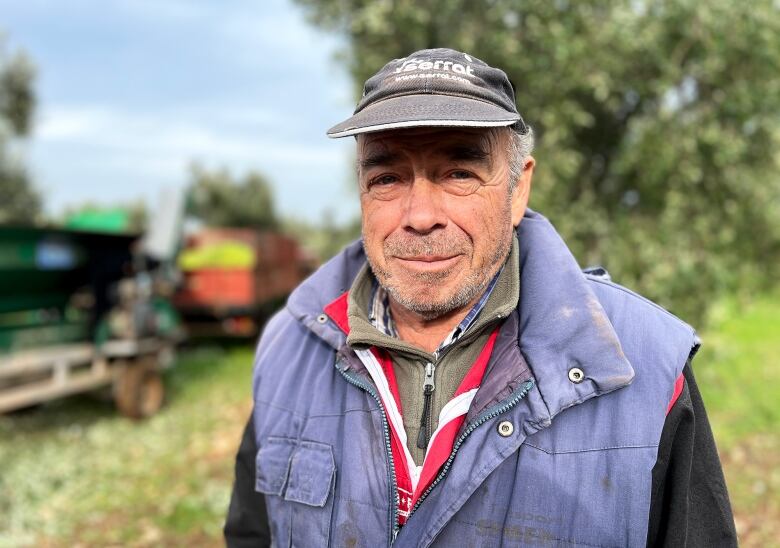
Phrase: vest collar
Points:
(563, 327)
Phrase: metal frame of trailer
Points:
(132, 368)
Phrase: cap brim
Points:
(424, 111)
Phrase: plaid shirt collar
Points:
(379, 313)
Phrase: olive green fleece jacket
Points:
(409, 361)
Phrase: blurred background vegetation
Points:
(658, 125)
(18, 199)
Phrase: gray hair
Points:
(521, 145)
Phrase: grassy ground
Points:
(738, 371)
(74, 473)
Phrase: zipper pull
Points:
(425, 421)
(429, 386)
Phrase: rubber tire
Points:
(139, 391)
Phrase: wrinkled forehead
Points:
(483, 142)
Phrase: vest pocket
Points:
(300, 477)
(311, 474)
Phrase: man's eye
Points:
(461, 174)
(383, 180)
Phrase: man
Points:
(455, 379)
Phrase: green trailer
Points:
(81, 310)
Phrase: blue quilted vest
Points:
(582, 373)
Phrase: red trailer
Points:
(233, 278)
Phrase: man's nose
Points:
(424, 208)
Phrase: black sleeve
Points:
(247, 519)
(689, 504)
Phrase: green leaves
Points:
(17, 100)
(218, 199)
(19, 201)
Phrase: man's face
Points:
(437, 213)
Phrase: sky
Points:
(131, 92)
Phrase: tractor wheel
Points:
(138, 389)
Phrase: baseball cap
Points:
(434, 87)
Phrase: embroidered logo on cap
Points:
(410, 65)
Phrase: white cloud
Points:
(169, 135)
(70, 123)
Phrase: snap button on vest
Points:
(505, 428)
(322, 318)
(576, 375)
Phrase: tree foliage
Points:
(19, 202)
(325, 237)
(658, 124)
(218, 199)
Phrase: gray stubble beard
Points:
(473, 286)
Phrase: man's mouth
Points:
(427, 258)
(428, 262)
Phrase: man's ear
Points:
(522, 191)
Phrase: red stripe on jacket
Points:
(678, 388)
